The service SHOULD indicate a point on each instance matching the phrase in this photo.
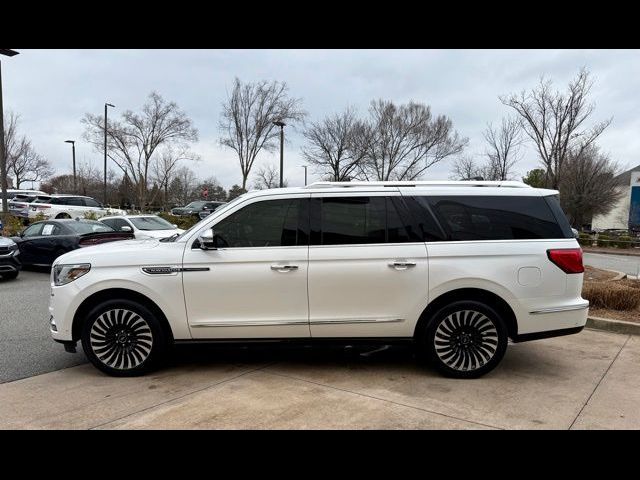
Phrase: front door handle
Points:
(284, 268)
(402, 265)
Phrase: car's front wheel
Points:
(123, 338)
(465, 339)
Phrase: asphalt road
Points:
(26, 347)
(622, 263)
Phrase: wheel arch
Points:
(112, 294)
(478, 294)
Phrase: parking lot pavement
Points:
(622, 263)
(590, 380)
(26, 347)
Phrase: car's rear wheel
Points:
(123, 338)
(9, 275)
(63, 215)
(465, 339)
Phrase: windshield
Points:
(218, 211)
(151, 223)
(88, 227)
(195, 205)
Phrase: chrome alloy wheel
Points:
(121, 339)
(466, 340)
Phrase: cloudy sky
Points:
(52, 89)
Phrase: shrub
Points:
(11, 226)
(604, 240)
(624, 241)
(585, 239)
(90, 216)
(610, 295)
(182, 222)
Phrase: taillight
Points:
(568, 259)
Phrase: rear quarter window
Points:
(496, 217)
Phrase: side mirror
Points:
(174, 225)
(126, 229)
(207, 240)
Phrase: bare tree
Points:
(268, 177)
(23, 163)
(246, 122)
(555, 121)
(165, 166)
(402, 142)
(183, 188)
(503, 148)
(588, 186)
(331, 146)
(133, 141)
(466, 168)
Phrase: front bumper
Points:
(10, 263)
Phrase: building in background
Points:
(626, 213)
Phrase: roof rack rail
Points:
(427, 183)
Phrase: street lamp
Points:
(73, 149)
(305, 174)
(281, 125)
(3, 161)
(104, 194)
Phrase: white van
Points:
(454, 268)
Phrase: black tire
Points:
(63, 215)
(465, 339)
(9, 275)
(123, 338)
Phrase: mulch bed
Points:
(597, 275)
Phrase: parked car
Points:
(42, 242)
(20, 204)
(194, 208)
(453, 268)
(143, 226)
(209, 208)
(70, 206)
(9, 263)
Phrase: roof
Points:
(625, 177)
(441, 187)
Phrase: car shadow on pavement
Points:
(207, 354)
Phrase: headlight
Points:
(63, 274)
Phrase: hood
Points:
(148, 251)
(157, 233)
(6, 242)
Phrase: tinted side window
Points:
(400, 225)
(426, 224)
(270, 223)
(352, 220)
(554, 204)
(90, 202)
(75, 201)
(495, 218)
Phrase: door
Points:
(254, 285)
(368, 269)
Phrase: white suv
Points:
(70, 206)
(455, 268)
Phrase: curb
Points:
(616, 326)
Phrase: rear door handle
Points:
(401, 265)
(284, 268)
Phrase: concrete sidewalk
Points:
(590, 380)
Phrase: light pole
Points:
(104, 194)
(73, 149)
(305, 174)
(3, 160)
(281, 125)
